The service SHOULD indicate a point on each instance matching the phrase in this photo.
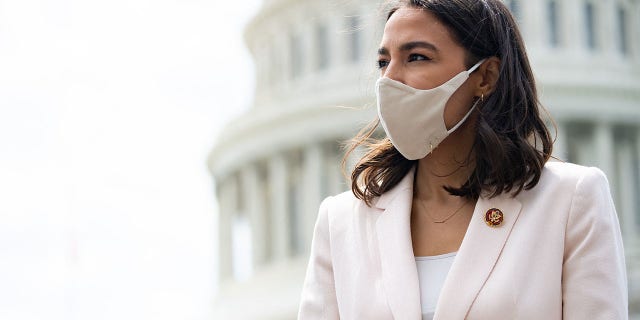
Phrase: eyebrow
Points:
(410, 46)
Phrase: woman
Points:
(458, 214)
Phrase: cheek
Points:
(422, 83)
(426, 79)
(458, 106)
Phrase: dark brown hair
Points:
(508, 128)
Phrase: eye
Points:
(382, 63)
(418, 57)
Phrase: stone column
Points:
(560, 146)
(571, 23)
(638, 151)
(637, 213)
(607, 27)
(337, 38)
(634, 24)
(274, 86)
(307, 37)
(284, 51)
(376, 21)
(533, 21)
(279, 192)
(628, 190)
(254, 209)
(333, 167)
(372, 28)
(258, 46)
(227, 208)
(605, 150)
(631, 246)
(312, 175)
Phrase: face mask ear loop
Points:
(474, 104)
(463, 118)
(476, 66)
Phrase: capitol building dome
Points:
(315, 75)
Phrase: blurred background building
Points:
(315, 66)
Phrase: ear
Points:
(487, 74)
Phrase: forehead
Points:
(409, 24)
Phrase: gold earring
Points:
(481, 97)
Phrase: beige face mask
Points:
(414, 119)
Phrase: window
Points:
(552, 14)
(354, 38)
(623, 46)
(296, 56)
(322, 47)
(589, 20)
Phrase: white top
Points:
(432, 271)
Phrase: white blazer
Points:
(557, 255)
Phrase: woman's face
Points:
(418, 50)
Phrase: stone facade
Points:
(315, 64)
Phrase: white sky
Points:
(107, 112)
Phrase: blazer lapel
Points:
(399, 273)
(479, 251)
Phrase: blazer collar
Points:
(399, 273)
(401, 189)
(480, 249)
(478, 253)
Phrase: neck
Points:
(450, 164)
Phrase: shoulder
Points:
(566, 170)
(342, 203)
(571, 189)
(568, 175)
(561, 184)
(345, 212)
(346, 198)
(589, 185)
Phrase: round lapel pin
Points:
(493, 217)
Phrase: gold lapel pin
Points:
(493, 217)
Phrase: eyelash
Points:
(412, 57)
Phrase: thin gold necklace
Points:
(445, 219)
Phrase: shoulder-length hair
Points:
(512, 142)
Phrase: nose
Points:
(394, 71)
